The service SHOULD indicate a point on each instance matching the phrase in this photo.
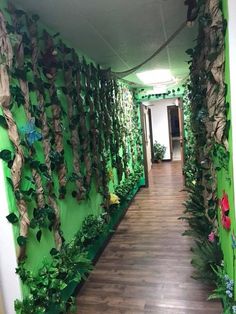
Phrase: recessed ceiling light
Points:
(155, 77)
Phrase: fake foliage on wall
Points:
(74, 132)
(207, 151)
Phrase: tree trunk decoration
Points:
(213, 58)
(91, 98)
(98, 149)
(16, 170)
(206, 94)
(84, 133)
(215, 64)
(33, 32)
(50, 70)
(73, 118)
(20, 65)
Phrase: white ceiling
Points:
(120, 33)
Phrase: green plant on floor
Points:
(206, 256)
(125, 187)
(49, 290)
(158, 151)
(92, 228)
(200, 219)
(224, 290)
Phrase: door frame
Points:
(170, 130)
(151, 133)
(144, 134)
(181, 131)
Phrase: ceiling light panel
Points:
(154, 77)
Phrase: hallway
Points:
(146, 266)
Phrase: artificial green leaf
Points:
(12, 218)
(3, 122)
(19, 13)
(21, 241)
(39, 235)
(9, 180)
(10, 164)
(43, 168)
(33, 223)
(35, 17)
(5, 155)
(53, 251)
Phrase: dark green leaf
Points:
(43, 168)
(35, 17)
(33, 223)
(10, 164)
(189, 52)
(9, 180)
(19, 13)
(39, 235)
(12, 218)
(54, 251)
(3, 122)
(5, 155)
(21, 241)
(56, 35)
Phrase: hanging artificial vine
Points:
(42, 213)
(18, 162)
(50, 67)
(95, 110)
(90, 141)
(83, 128)
(73, 116)
(38, 87)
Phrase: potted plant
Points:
(159, 151)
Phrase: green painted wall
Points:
(225, 177)
(72, 213)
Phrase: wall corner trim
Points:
(10, 288)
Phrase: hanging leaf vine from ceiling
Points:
(18, 162)
(38, 87)
(50, 67)
(73, 115)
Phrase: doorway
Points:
(174, 132)
(163, 124)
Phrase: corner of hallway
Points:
(146, 266)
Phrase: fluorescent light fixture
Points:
(155, 77)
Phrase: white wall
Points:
(160, 125)
(232, 54)
(9, 281)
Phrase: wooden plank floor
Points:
(146, 266)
